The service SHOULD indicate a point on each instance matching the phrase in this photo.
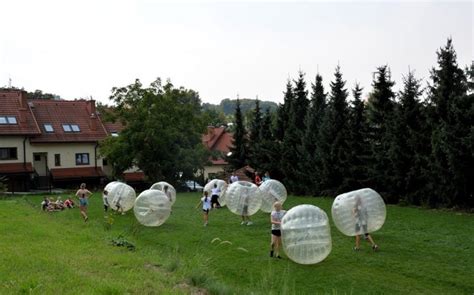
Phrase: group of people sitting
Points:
(49, 205)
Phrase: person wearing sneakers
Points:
(245, 199)
(361, 217)
(206, 206)
(83, 194)
(275, 218)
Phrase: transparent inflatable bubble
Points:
(161, 186)
(306, 236)
(358, 212)
(272, 191)
(221, 185)
(152, 208)
(120, 195)
(243, 198)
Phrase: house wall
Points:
(212, 169)
(14, 142)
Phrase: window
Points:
(82, 159)
(75, 128)
(37, 158)
(104, 162)
(48, 128)
(8, 154)
(67, 128)
(57, 160)
(71, 128)
(114, 133)
(11, 120)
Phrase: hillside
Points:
(227, 106)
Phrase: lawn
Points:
(421, 251)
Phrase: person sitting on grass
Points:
(361, 217)
(45, 203)
(69, 203)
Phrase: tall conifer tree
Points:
(255, 136)
(238, 156)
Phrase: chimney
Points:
(23, 109)
(93, 115)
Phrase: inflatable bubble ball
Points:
(272, 191)
(170, 190)
(120, 196)
(243, 198)
(221, 185)
(152, 208)
(358, 212)
(305, 234)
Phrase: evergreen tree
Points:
(359, 147)
(380, 118)
(255, 136)
(283, 112)
(268, 156)
(238, 152)
(451, 118)
(335, 139)
(314, 118)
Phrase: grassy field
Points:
(421, 251)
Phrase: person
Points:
(245, 209)
(118, 205)
(257, 179)
(45, 203)
(215, 192)
(105, 193)
(168, 193)
(58, 205)
(206, 206)
(233, 178)
(83, 194)
(361, 217)
(266, 176)
(275, 219)
(69, 203)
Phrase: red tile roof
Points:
(74, 173)
(14, 103)
(13, 168)
(217, 139)
(133, 176)
(59, 112)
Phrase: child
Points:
(245, 209)
(257, 180)
(168, 193)
(275, 218)
(69, 203)
(83, 194)
(215, 191)
(118, 204)
(206, 206)
(45, 203)
(360, 214)
(104, 199)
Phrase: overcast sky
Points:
(221, 49)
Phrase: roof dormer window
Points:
(48, 128)
(10, 120)
(71, 128)
(114, 133)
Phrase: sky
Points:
(222, 49)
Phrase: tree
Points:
(162, 134)
(283, 112)
(451, 118)
(311, 162)
(238, 152)
(380, 118)
(255, 136)
(335, 139)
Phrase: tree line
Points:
(414, 146)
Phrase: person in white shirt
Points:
(206, 206)
(275, 218)
(215, 193)
(233, 178)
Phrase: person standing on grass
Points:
(233, 178)
(206, 206)
(83, 194)
(257, 179)
(215, 193)
(275, 219)
(245, 199)
(266, 176)
(361, 217)
(104, 199)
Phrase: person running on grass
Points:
(275, 219)
(361, 217)
(83, 194)
(206, 206)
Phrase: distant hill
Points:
(227, 106)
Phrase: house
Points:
(218, 141)
(52, 142)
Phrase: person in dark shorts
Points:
(215, 193)
(275, 218)
(361, 219)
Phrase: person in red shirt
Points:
(257, 180)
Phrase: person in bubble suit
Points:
(245, 216)
(275, 218)
(361, 219)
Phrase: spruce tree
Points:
(254, 136)
(311, 163)
(380, 118)
(267, 156)
(283, 111)
(452, 120)
(335, 139)
(238, 151)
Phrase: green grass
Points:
(421, 251)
